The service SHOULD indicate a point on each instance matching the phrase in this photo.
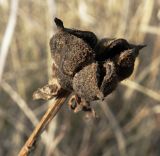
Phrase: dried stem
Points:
(47, 117)
(115, 126)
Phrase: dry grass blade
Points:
(48, 116)
(150, 93)
(8, 35)
(20, 102)
(115, 126)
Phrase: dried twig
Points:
(47, 117)
(115, 126)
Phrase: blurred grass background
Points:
(135, 104)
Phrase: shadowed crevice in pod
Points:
(64, 80)
(109, 48)
(110, 81)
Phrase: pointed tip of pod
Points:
(58, 23)
(138, 47)
(141, 46)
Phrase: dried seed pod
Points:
(75, 53)
(85, 83)
(87, 68)
(110, 80)
(125, 62)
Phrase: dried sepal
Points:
(48, 91)
(75, 103)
